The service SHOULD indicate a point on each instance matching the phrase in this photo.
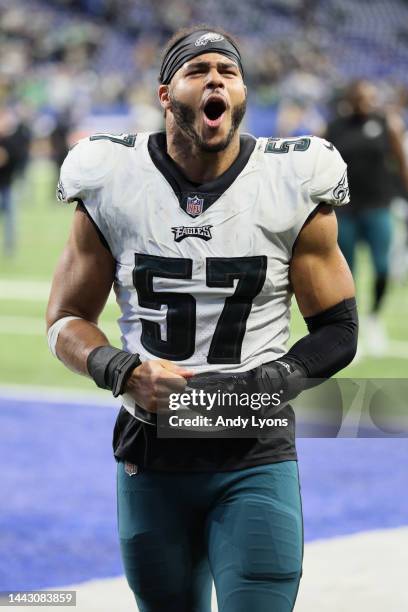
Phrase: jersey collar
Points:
(195, 199)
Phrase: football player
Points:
(205, 234)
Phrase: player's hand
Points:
(151, 383)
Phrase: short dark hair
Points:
(180, 34)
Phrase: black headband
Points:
(195, 44)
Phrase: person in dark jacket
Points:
(369, 144)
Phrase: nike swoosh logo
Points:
(330, 147)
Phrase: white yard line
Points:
(398, 348)
(30, 290)
(24, 290)
(35, 326)
(22, 326)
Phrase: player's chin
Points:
(215, 139)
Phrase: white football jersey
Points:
(202, 272)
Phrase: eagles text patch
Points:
(181, 232)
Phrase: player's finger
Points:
(172, 367)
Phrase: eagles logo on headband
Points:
(197, 43)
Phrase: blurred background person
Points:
(14, 145)
(59, 138)
(369, 141)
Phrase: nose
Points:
(214, 79)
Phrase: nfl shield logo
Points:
(195, 206)
(131, 469)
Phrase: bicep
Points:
(84, 274)
(319, 274)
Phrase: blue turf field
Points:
(58, 513)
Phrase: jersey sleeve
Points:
(69, 188)
(86, 169)
(328, 182)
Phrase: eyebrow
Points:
(222, 65)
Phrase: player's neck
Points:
(198, 166)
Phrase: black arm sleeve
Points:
(331, 343)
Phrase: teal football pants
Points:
(242, 529)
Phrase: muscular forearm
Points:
(85, 349)
(75, 342)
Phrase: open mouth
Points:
(214, 112)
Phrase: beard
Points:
(185, 116)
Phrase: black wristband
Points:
(110, 367)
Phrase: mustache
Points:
(185, 116)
